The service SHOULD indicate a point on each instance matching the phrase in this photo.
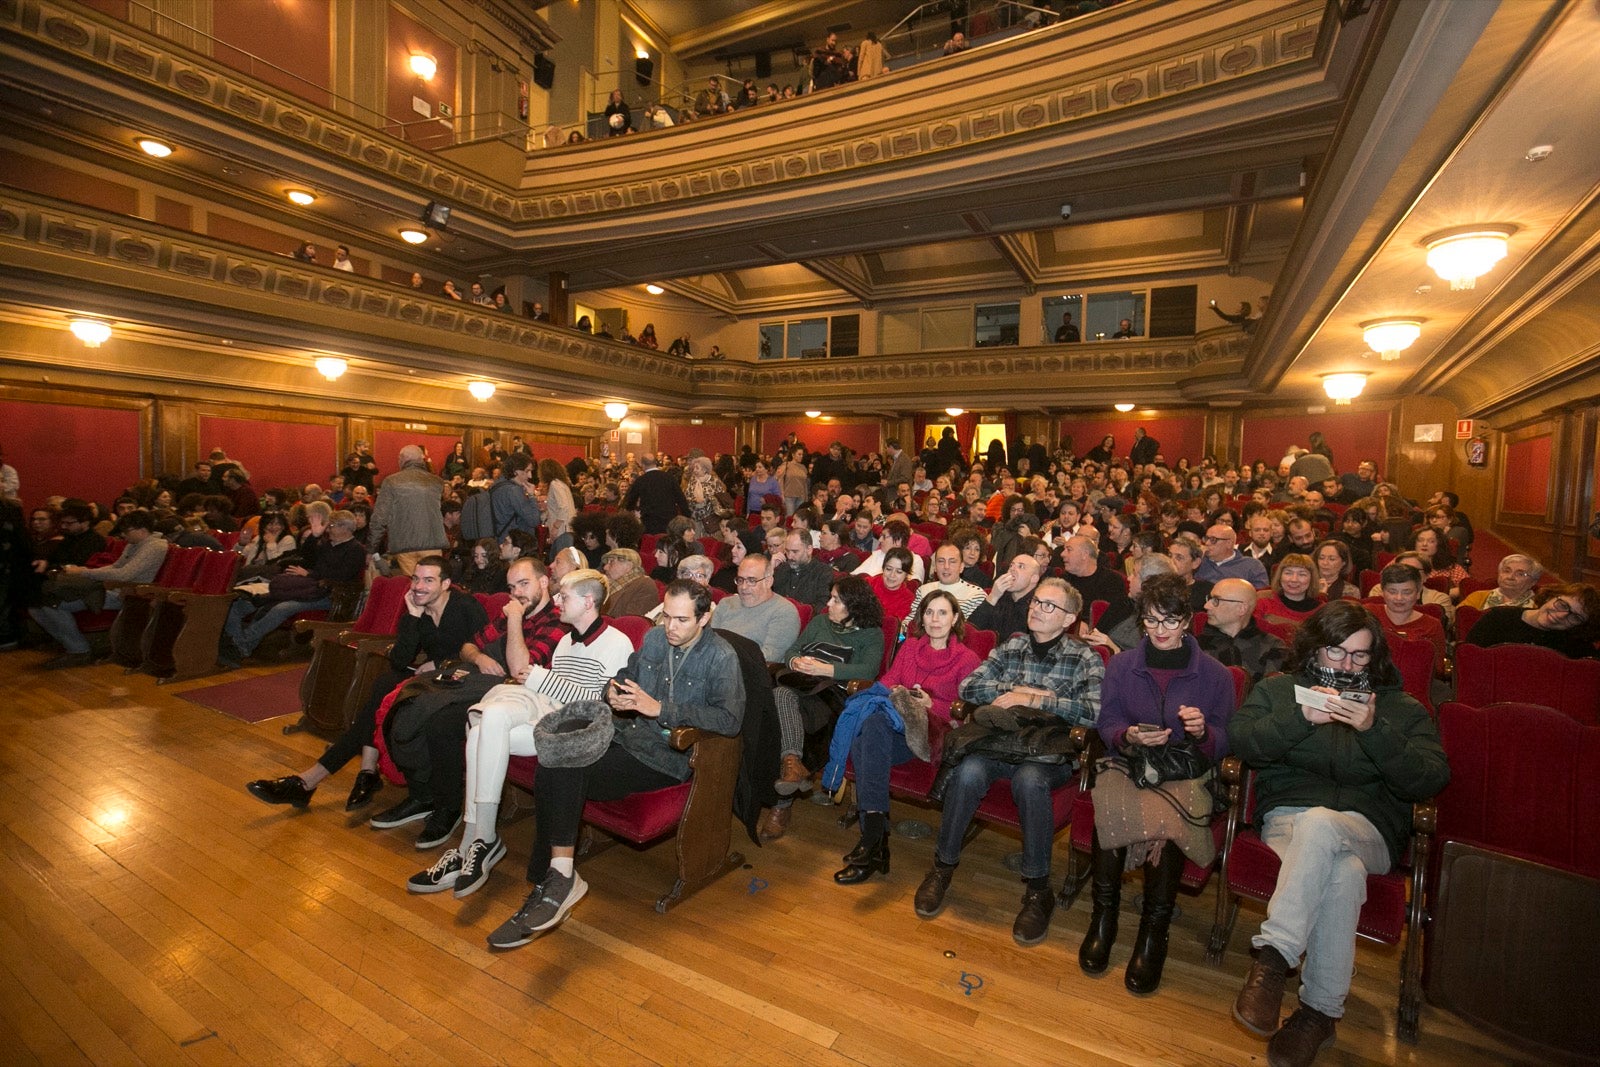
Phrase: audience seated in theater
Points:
(1401, 585)
(1561, 618)
(800, 577)
(633, 592)
(1333, 809)
(757, 612)
(1335, 577)
(1159, 691)
(1429, 596)
(485, 573)
(841, 644)
(438, 621)
(1187, 553)
(1515, 579)
(1223, 560)
(1231, 635)
(1121, 627)
(679, 541)
(77, 589)
(1008, 606)
(896, 534)
(1046, 674)
(1430, 545)
(693, 568)
(337, 558)
(893, 587)
(75, 544)
(684, 675)
(923, 681)
(1292, 596)
(947, 578)
(1080, 562)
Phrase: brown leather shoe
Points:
(1260, 1004)
(1304, 1034)
(794, 777)
(929, 901)
(774, 822)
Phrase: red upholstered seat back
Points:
(385, 601)
(1529, 674)
(1524, 780)
(635, 626)
(179, 568)
(1415, 661)
(493, 603)
(980, 641)
(215, 576)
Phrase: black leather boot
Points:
(1105, 891)
(871, 854)
(1161, 880)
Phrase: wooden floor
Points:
(156, 913)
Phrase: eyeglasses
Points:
(1338, 654)
(1516, 573)
(1151, 622)
(1563, 608)
(1049, 607)
(1217, 540)
(1222, 600)
(742, 580)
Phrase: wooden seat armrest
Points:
(1425, 817)
(684, 738)
(961, 710)
(186, 596)
(860, 685)
(1231, 770)
(325, 629)
(367, 644)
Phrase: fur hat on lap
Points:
(575, 736)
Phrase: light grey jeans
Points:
(1326, 856)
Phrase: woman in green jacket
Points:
(1334, 789)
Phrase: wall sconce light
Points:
(1343, 388)
(413, 236)
(301, 197)
(481, 390)
(331, 367)
(1390, 337)
(955, 413)
(813, 414)
(423, 66)
(92, 332)
(1461, 257)
(152, 147)
(1124, 408)
(616, 412)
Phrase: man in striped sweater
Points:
(501, 726)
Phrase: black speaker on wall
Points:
(763, 64)
(544, 72)
(644, 68)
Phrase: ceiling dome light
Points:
(1343, 388)
(331, 367)
(955, 413)
(152, 147)
(813, 414)
(481, 390)
(91, 332)
(1390, 337)
(423, 66)
(1124, 408)
(301, 197)
(1462, 257)
(616, 412)
(653, 289)
(413, 236)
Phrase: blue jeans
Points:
(1031, 786)
(877, 749)
(248, 636)
(61, 624)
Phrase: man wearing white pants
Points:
(501, 726)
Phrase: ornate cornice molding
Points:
(1061, 88)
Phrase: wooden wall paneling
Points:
(1421, 468)
(1529, 532)
(293, 39)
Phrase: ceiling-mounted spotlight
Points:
(152, 147)
(92, 332)
(331, 367)
(1390, 337)
(1463, 256)
(1124, 408)
(616, 411)
(955, 413)
(423, 66)
(653, 289)
(413, 236)
(813, 414)
(480, 390)
(301, 197)
(1345, 387)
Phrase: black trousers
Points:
(349, 744)
(560, 792)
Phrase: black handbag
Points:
(1180, 761)
(811, 684)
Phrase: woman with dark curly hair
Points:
(1335, 782)
(840, 645)
(1563, 618)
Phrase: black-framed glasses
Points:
(1565, 609)
(1153, 622)
(1049, 607)
(1222, 600)
(1338, 654)
(743, 580)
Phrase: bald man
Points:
(1231, 636)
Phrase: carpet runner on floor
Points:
(255, 699)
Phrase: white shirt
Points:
(874, 565)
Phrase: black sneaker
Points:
(477, 863)
(545, 907)
(437, 830)
(1033, 919)
(408, 810)
(436, 879)
(229, 655)
(289, 790)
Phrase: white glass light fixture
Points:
(413, 236)
(331, 367)
(1462, 257)
(423, 66)
(955, 413)
(1390, 337)
(152, 147)
(813, 414)
(1124, 408)
(92, 332)
(301, 197)
(616, 412)
(1345, 387)
(481, 390)
(653, 289)
(641, 52)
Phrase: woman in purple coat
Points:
(1164, 690)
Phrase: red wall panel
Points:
(1525, 489)
(1182, 435)
(675, 439)
(386, 446)
(817, 436)
(259, 237)
(289, 40)
(407, 36)
(1352, 435)
(278, 455)
(68, 450)
(64, 183)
